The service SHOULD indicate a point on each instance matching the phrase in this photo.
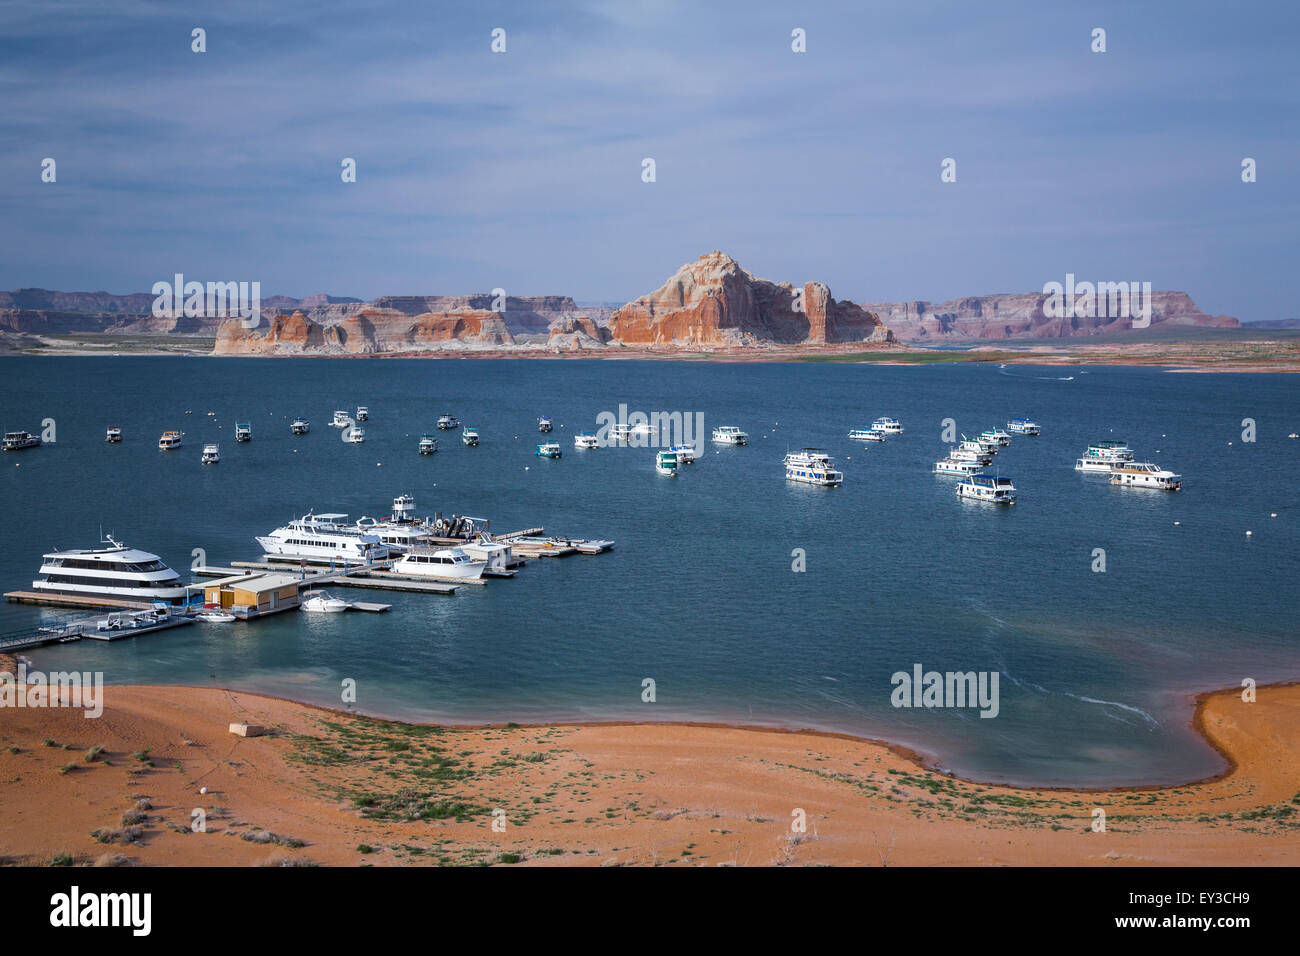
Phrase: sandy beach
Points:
(331, 788)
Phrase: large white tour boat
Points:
(115, 571)
(323, 537)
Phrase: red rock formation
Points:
(371, 331)
(714, 302)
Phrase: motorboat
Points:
(428, 444)
(729, 435)
(1145, 474)
(16, 441)
(440, 563)
(322, 602)
(586, 440)
(812, 466)
(867, 434)
(211, 454)
(113, 571)
(170, 440)
(113, 435)
(548, 449)
(300, 426)
(243, 432)
(448, 422)
(666, 464)
(469, 437)
(987, 488)
(212, 614)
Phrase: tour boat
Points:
(322, 602)
(686, 454)
(363, 413)
(428, 444)
(988, 488)
(586, 440)
(729, 435)
(114, 435)
(544, 424)
(666, 464)
(355, 435)
(16, 441)
(211, 454)
(889, 426)
(1145, 474)
(115, 571)
(169, 440)
(867, 434)
(548, 449)
(243, 432)
(300, 426)
(447, 422)
(341, 420)
(469, 437)
(323, 537)
(995, 435)
(812, 466)
(440, 563)
(1023, 426)
(956, 466)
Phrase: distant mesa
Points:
(714, 302)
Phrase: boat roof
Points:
(324, 516)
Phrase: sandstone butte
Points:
(714, 302)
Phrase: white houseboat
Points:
(1145, 474)
(428, 444)
(16, 441)
(812, 466)
(243, 432)
(113, 435)
(300, 426)
(548, 449)
(867, 434)
(341, 420)
(469, 437)
(987, 488)
(1023, 426)
(211, 453)
(586, 440)
(666, 464)
(169, 440)
(448, 422)
(956, 466)
(889, 426)
(729, 435)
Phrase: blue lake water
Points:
(699, 593)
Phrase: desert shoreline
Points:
(337, 788)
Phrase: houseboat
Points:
(995, 435)
(983, 450)
(956, 466)
(1023, 426)
(211, 453)
(428, 444)
(867, 434)
(686, 454)
(544, 425)
(812, 466)
(169, 440)
(729, 435)
(987, 488)
(17, 441)
(889, 426)
(448, 422)
(1110, 451)
(363, 413)
(1145, 474)
(355, 435)
(666, 464)
(586, 440)
(548, 449)
(469, 437)
(323, 537)
(977, 455)
(620, 432)
(114, 571)
(113, 435)
(341, 420)
(300, 426)
(243, 432)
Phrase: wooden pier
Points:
(76, 600)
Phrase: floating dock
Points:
(353, 578)
(75, 600)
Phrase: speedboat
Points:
(300, 426)
(469, 437)
(1023, 426)
(956, 466)
(867, 434)
(114, 571)
(169, 440)
(586, 440)
(995, 435)
(666, 464)
(889, 426)
(211, 454)
(729, 435)
(686, 454)
(212, 614)
(544, 424)
(548, 449)
(987, 488)
(322, 602)
(355, 435)
(428, 444)
(363, 413)
(114, 435)
(243, 432)
(341, 420)
(447, 422)
(16, 441)
(323, 537)
(440, 563)
(812, 466)
(1145, 474)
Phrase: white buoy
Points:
(379, 464)
(525, 467)
(1177, 523)
(1249, 533)
(1273, 515)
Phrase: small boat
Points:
(114, 435)
(170, 440)
(586, 440)
(686, 454)
(214, 616)
(1023, 426)
(812, 466)
(16, 441)
(363, 413)
(243, 432)
(867, 434)
(300, 426)
(729, 435)
(355, 435)
(469, 437)
(987, 488)
(666, 464)
(428, 444)
(544, 424)
(211, 454)
(995, 435)
(548, 449)
(341, 420)
(323, 602)
(440, 563)
(1145, 474)
(889, 426)
(956, 466)
(448, 422)
(620, 432)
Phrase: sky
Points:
(523, 170)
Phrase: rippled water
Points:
(699, 593)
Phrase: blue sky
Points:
(523, 170)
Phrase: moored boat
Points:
(544, 425)
(243, 432)
(548, 449)
(113, 435)
(586, 440)
(729, 435)
(114, 571)
(355, 435)
(987, 488)
(867, 434)
(686, 454)
(666, 464)
(300, 426)
(323, 538)
(812, 466)
(322, 602)
(428, 444)
(448, 422)
(889, 426)
(956, 466)
(1145, 474)
(469, 437)
(995, 435)
(170, 440)
(211, 453)
(341, 419)
(363, 413)
(1023, 426)
(440, 563)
